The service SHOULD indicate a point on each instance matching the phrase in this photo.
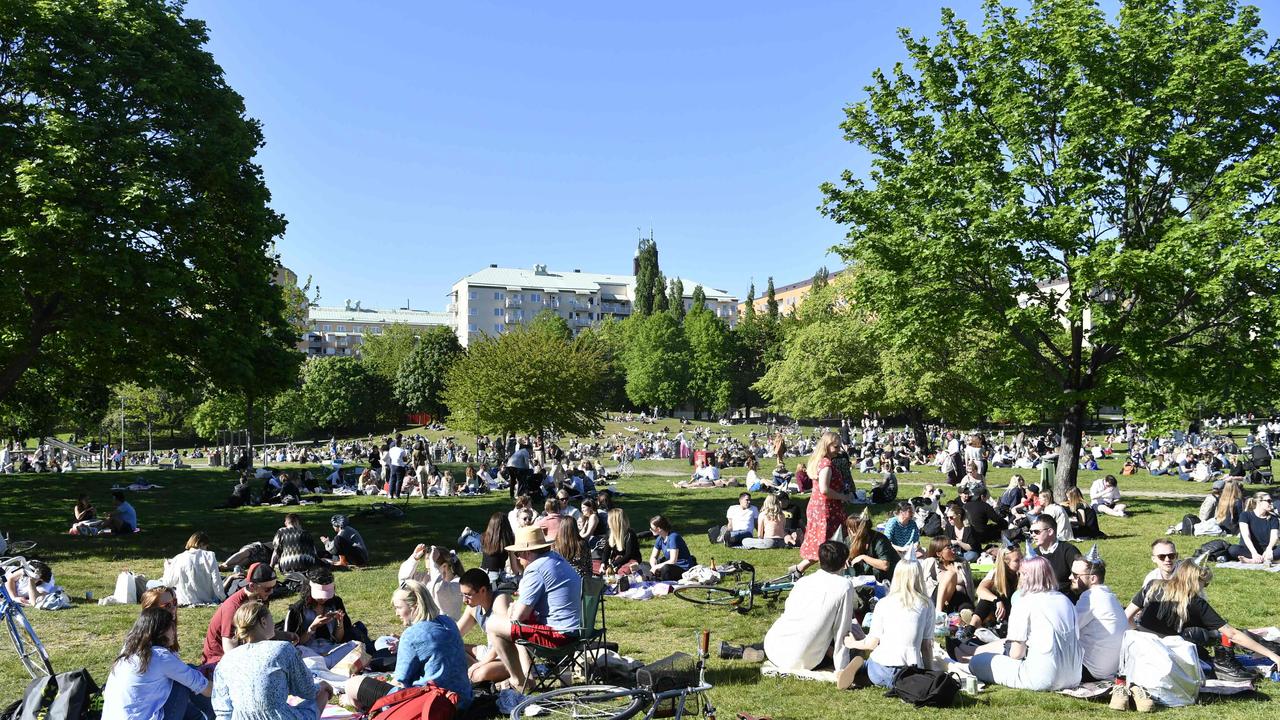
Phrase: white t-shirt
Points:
(1102, 623)
(1046, 622)
(398, 456)
(1061, 521)
(907, 629)
(742, 519)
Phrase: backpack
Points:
(65, 696)
(886, 491)
(1216, 550)
(924, 687)
(429, 702)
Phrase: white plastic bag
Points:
(1168, 668)
(129, 588)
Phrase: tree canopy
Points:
(136, 226)
(1099, 195)
(531, 379)
(656, 361)
(420, 379)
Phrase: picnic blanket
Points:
(1236, 565)
(768, 669)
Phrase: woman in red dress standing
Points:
(825, 513)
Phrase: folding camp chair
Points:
(553, 667)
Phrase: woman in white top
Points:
(193, 574)
(1042, 649)
(1061, 518)
(901, 633)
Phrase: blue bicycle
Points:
(30, 651)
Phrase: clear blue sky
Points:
(410, 143)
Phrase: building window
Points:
(497, 296)
(471, 327)
(535, 297)
(342, 328)
(472, 294)
(377, 329)
(471, 312)
(497, 327)
(497, 312)
(517, 297)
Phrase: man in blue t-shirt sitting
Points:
(548, 611)
(124, 519)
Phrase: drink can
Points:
(971, 685)
(88, 594)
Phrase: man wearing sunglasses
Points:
(1061, 555)
(1164, 554)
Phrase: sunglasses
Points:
(1167, 556)
(1037, 531)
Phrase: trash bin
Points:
(1048, 471)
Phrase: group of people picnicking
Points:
(1042, 618)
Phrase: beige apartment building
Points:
(491, 301)
(341, 330)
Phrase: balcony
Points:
(514, 302)
(512, 319)
(452, 308)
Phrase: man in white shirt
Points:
(398, 461)
(1099, 617)
(741, 519)
(816, 617)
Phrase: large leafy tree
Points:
(385, 352)
(675, 299)
(1100, 195)
(657, 361)
(711, 355)
(532, 379)
(135, 223)
(420, 379)
(647, 277)
(342, 392)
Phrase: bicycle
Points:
(30, 651)
(612, 702)
(741, 592)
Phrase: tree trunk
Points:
(915, 421)
(1069, 450)
(248, 425)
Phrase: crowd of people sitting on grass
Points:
(1041, 618)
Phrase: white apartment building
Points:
(494, 299)
(340, 330)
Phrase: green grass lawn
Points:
(38, 508)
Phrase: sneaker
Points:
(1120, 697)
(465, 532)
(1227, 667)
(1142, 701)
(847, 674)
(964, 633)
(986, 635)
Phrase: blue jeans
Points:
(882, 675)
(395, 479)
(736, 537)
(186, 705)
(471, 541)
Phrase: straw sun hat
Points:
(529, 538)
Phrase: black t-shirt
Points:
(1061, 559)
(1258, 528)
(1158, 615)
(878, 547)
(984, 520)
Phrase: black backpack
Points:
(1216, 550)
(924, 687)
(65, 696)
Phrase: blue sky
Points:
(410, 143)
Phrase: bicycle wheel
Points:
(626, 470)
(709, 595)
(601, 702)
(30, 651)
(19, 547)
